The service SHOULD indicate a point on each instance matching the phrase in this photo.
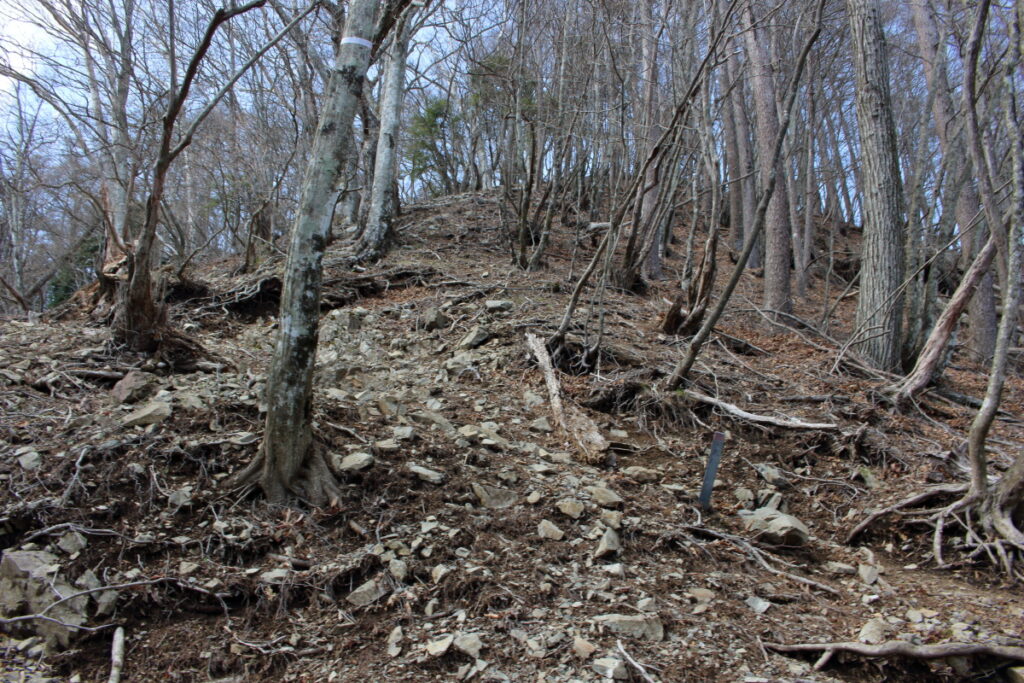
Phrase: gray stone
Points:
(399, 569)
(757, 604)
(134, 386)
(777, 528)
(604, 496)
(1015, 675)
(72, 542)
(583, 648)
(460, 362)
(548, 530)
(611, 519)
(30, 584)
(30, 461)
(434, 320)
(874, 631)
(151, 413)
(469, 644)
(644, 475)
(840, 568)
(608, 545)
(647, 605)
(498, 305)
(532, 400)
(611, 667)
(272, 576)
(493, 497)
(477, 336)
(428, 475)
(642, 626)
(772, 475)
(868, 573)
(395, 639)
(403, 433)
(367, 594)
(702, 595)
(436, 648)
(353, 462)
(570, 507)
(541, 424)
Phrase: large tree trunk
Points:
(879, 307)
(776, 230)
(288, 440)
(382, 208)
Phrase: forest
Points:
(508, 340)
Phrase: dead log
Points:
(900, 648)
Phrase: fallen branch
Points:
(788, 423)
(577, 424)
(116, 656)
(900, 648)
(639, 667)
(554, 391)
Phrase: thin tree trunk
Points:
(381, 213)
(288, 439)
(982, 309)
(777, 230)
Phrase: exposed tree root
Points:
(314, 483)
(899, 648)
(987, 528)
(915, 499)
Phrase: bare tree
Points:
(289, 462)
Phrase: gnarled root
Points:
(987, 524)
(314, 483)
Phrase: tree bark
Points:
(879, 307)
(776, 230)
(381, 213)
(288, 439)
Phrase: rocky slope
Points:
(474, 541)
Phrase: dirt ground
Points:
(475, 541)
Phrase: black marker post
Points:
(717, 442)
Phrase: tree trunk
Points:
(288, 439)
(776, 230)
(377, 232)
(982, 309)
(879, 307)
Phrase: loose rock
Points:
(152, 413)
(548, 530)
(778, 528)
(493, 497)
(611, 667)
(367, 594)
(609, 544)
(476, 337)
(470, 644)
(428, 475)
(642, 626)
(604, 496)
(570, 507)
(354, 462)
